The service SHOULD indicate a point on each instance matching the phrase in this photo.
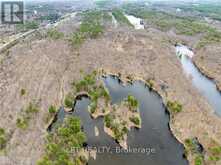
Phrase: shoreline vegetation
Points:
(70, 134)
(60, 143)
(117, 123)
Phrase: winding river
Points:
(206, 86)
(155, 137)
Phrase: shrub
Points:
(193, 146)
(118, 133)
(61, 141)
(135, 120)
(32, 108)
(23, 92)
(215, 150)
(93, 107)
(215, 153)
(2, 131)
(54, 34)
(103, 92)
(150, 83)
(190, 145)
(99, 92)
(22, 123)
(133, 103)
(198, 160)
(214, 158)
(68, 101)
(108, 120)
(125, 130)
(174, 107)
(52, 109)
(77, 38)
(94, 95)
(86, 83)
(3, 140)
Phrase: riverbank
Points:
(208, 61)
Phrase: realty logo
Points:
(12, 12)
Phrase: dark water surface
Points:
(154, 136)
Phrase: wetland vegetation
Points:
(60, 144)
